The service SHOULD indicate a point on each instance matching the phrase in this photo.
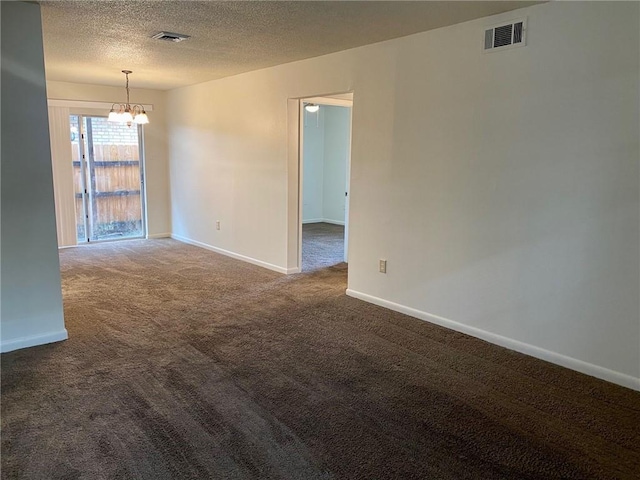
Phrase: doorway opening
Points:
(108, 179)
(325, 157)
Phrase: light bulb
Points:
(311, 107)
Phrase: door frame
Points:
(85, 155)
(296, 171)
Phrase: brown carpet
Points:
(182, 363)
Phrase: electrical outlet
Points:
(217, 224)
(383, 266)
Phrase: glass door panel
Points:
(112, 180)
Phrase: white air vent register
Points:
(170, 36)
(506, 35)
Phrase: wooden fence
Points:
(113, 181)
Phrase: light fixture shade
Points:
(113, 116)
(141, 119)
(126, 116)
(311, 107)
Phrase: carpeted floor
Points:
(182, 363)
(322, 245)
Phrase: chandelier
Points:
(127, 113)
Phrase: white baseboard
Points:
(149, 236)
(293, 270)
(228, 253)
(334, 222)
(25, 342)
(553, 357)
(323, 220)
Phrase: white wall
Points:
(155, 140)
(337, 133)
(313, 171)
(31, 296)
(326, 151)
(502, 188)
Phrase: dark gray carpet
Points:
(182, 363)
(322, 246)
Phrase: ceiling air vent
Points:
(506, 35)
(170, 37)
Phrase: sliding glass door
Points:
(109, 181)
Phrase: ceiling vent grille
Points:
(170, 37)
(506, 35)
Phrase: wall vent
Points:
(506, 35)
(170, 37)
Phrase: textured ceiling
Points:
(91, 41)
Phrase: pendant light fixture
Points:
(127, 113)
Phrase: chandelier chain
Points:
(128, 102)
